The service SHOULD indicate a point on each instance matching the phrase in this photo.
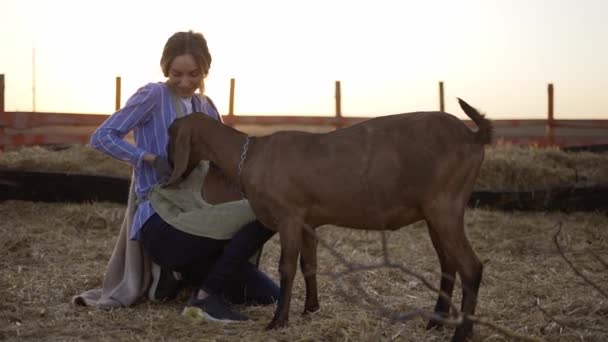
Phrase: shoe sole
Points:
(197, 315)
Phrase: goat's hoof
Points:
(458, 338)
(462, 333)
(434, 324)
(310, 310)
(276, 324)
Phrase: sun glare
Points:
(388, 55)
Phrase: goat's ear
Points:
(179, 151)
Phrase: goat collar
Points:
(242, 163)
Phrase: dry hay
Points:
(525, 168)
(504, 168)
(50, 252)
(74, 159)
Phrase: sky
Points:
(285, 55)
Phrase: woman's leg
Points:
(234, 259)
(193, 256)
(175, 250)
(198, 257)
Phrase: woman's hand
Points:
(161, 165)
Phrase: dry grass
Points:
(51, 251)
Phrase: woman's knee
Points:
(253, 235)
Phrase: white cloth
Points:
(128, 273)
(187, 103)
(182, 206)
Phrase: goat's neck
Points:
(227, 146)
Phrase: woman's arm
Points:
(109, 137)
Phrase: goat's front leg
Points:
(308, 264)
(290, 236)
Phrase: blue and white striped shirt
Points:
(148, 113)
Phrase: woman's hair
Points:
(182, 43)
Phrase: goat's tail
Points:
(485, 129)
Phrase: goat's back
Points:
(375, 170)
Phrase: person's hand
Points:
(162, 168)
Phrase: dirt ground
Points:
(51, 252)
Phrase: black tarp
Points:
(41, 186)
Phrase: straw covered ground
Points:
(533, 287)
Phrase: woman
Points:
(218, 267)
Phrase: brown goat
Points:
(381, 174)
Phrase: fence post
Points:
(338, 96)
(441, 97)
(231, 99)
(1, 110)
(1, 93)
(118, 92)
(550, 118)
(338, 100)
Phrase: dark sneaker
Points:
(213, 308)
(164, 285)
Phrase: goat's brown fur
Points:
(381, 174)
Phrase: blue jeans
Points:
(216, 266)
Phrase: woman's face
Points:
(185, 77)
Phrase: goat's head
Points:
(184, 150)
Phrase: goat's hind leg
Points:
(446, 287)
(453, 243)
(470, 270)
(308, 265)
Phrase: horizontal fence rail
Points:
(29, 128)
(20, 128)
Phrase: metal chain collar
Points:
(242, 163)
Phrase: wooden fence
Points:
(38, 128)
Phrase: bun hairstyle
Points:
(182, 43)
